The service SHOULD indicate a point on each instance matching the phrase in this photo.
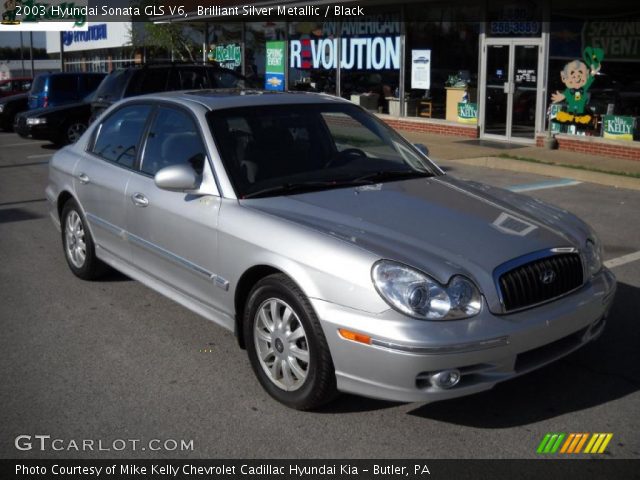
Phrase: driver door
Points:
(173, 235)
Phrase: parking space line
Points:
(616, 262)
(42, 155)
(23, 144)
(527, 187)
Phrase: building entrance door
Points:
(511, 90)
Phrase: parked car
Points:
(14, 86)
(60, 125)
(152, 78)
(54, 89)
(340, 255)
(10, 107)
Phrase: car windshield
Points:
(285, 149)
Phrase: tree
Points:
(173, 37)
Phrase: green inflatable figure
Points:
(578, 77)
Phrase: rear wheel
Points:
(286, 345)
(78, 245)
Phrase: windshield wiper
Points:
(291, 188)
(367, 179)
(382, 175)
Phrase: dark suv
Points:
(152, 78)
(53, 89)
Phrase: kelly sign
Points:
(617, 128)
(468, 113)
(274, 77)
(228, 56)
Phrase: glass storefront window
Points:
(370, 59)
(514, 18)
(615, 86)
(441, 51)
(225, 45)
(257, 34)
(312, 56)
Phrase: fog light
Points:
(445, 379)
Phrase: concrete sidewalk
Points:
(554, 163)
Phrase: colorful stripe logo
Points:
(574, 443)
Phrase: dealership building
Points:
(102, 47)
(484, 69)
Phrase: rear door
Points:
(173, 235)
(102, 175)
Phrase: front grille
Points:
(20, 121)
(540, 280)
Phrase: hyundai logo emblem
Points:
(548, 276)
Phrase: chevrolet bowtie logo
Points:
(274, 81)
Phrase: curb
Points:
(607, 179)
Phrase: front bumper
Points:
(486, 349)
(37, 132)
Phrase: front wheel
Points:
(286, 345)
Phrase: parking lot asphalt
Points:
(114, 360)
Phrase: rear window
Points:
(38, 84)
(64, 83)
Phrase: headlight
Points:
(593, 254)
(417, 295)
(36, 121)
(1, 108)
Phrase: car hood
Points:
(442, 226)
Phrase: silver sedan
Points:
(339, 254)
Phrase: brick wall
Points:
(596, 146)
(439, 127)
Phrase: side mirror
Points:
(177, 178)
(423, 148)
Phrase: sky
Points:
(12, 39)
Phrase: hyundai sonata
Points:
(339, 254)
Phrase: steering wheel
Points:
(342, 157)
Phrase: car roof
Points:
(217, 99)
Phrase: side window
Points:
(64, 83)
(188, 78)
(173, 139)
(222, 79)
(26, 85)
(153, 80)
(119, 135)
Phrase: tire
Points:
(71, 131)
(284, 373)
(82, 261)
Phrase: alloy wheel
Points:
(75, 131)
(75, 243)
(281, 344)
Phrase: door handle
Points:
(84, 179)
(139, 200)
